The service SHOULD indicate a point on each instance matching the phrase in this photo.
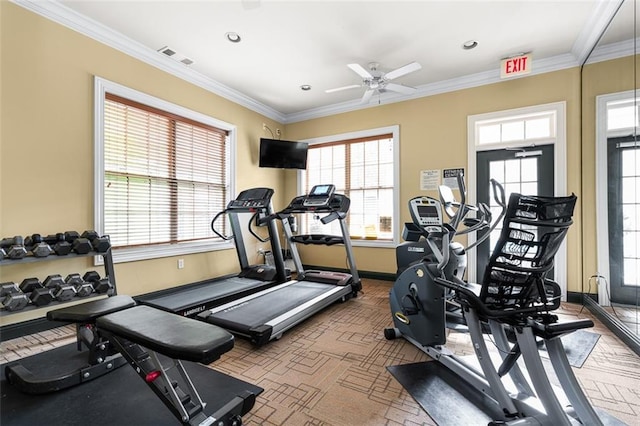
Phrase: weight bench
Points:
(145, 337)
(102, 356)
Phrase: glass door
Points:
(527, 171)
(623, 172)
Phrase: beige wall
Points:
(46, 146)
(433, 135)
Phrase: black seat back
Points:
(533, 230)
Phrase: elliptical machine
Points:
(515, 299)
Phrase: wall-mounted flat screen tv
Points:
(283, 154)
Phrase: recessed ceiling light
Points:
(468, 45)
(233, 37)
(305, 87)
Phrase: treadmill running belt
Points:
(262, 309)
(202, 293)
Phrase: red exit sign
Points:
(517, 65)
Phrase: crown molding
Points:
(602, 14)
(612, 51)
(582, 48)
(69, 18)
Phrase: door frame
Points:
(602, 215)
(559, 165)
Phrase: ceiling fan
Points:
(378, 81)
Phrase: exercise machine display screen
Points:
(256, 198)
(319, 195)
(426, 212)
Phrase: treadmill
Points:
(266, 315)
(191, 299)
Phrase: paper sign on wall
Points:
(450, 177)
(429, 180)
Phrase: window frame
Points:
(395, 136)
(103, 86)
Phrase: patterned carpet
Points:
(331, 369)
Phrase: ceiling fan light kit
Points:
(377, 81)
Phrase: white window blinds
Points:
(363, 170)
(165, 176)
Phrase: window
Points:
(362, 166)
(162, 173)
(531, 128)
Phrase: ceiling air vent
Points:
(175, 55)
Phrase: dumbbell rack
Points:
(35, 312)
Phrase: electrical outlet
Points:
(180, 263)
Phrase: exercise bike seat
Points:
(89, 311)
(169, 334)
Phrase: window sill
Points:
(123, 255)
(373, 243)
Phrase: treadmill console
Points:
(426, 212)
(320, 195)
(255, 198)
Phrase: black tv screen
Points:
(283, 154)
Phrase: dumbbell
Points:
(81, 245)
(12, 298)
(37, 293)
(61, 290)
(37, 246)
(99, 244)
(100, 285)
(14, 247)
(52, 281)
(82, 287)
(58, 243)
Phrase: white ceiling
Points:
(286, 44)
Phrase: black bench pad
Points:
(89, 311)
(169, 334)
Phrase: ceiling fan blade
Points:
(400, 88)
(399, 72)
(337, 89)
(367, 95)
(361, 71)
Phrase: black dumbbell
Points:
(58, 243)
(12, 298)
(100, 285)
(53, 281)
(37, 246)
(99, 244)
(29, 284)
(82, 287)
(59, 288)
(80, 244)
(63, 292)
(14, 247)
(37, 293)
